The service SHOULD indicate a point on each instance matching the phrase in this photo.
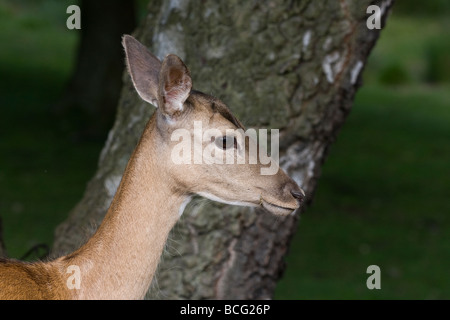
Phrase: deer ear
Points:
(175, 84)
(143, 68)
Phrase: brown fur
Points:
(25, 281)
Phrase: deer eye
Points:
(226, 142)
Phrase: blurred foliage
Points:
(382, 195)
(393, 74)
(430, 8)
(411, 50)
(382, 199)
(437, 57)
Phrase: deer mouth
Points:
(275, 208)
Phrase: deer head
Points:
(199, 145)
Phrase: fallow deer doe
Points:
(120, 259)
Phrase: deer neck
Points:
(119, 261)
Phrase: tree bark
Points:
(290, 65)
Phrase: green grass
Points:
(383, 194)
(411, 50)
(42, 172)
(382, 198)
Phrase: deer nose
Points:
(299, 195)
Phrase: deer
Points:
(120, 259)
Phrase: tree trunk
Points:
(92, 93)
(289, 65)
